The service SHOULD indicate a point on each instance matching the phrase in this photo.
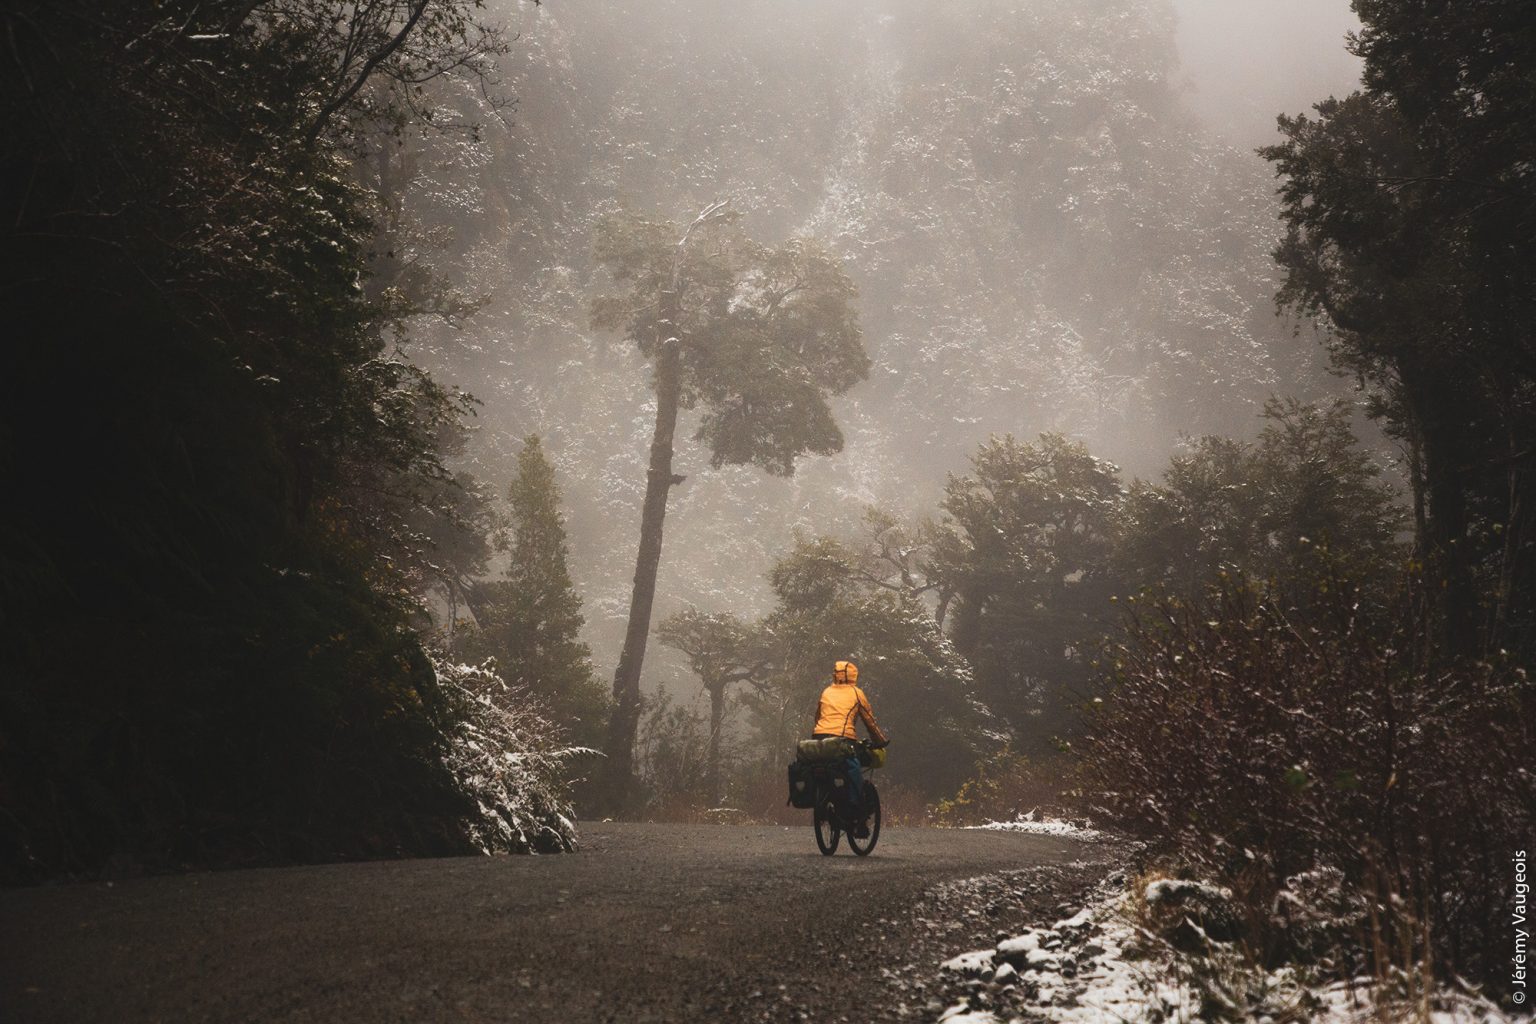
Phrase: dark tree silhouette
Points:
(722, 650)
(530, 620)
(1411, 216)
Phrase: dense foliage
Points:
(1026, 549)
(1410, 209)
(1304, 497)
(1309, 719)
(1038, 541)
(233, 481)
(1264, 735)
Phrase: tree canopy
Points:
(767, 335)
(1409, 209)
(1305, 494)
(1026, 548)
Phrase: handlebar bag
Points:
(872, 757)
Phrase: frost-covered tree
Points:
(759, 338)
(1027, 545)
(1305, 498)
(530, 619)
(509, 762)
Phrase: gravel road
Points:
(669, 923)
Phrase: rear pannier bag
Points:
(834, 748)
(802, 787)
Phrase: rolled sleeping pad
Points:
(835, 748)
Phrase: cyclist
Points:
(840, 703)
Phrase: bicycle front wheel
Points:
(864, 847)
(827, 830)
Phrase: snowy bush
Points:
(505, 756)
(1257, 745)
(1115, 960)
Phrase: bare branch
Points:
(365, 73)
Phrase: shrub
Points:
(1258, 747)
(672, 758)
(1007, 785)
(507, 759)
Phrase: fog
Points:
(1246, 60)
(1054, 215)
(450, 427)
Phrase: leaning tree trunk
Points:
(716, 724)
(625, 720)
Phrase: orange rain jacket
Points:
(840, 704)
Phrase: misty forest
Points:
(432, 425)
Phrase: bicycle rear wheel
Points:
(827, 830)
(864, 847)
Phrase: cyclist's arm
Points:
(868, 715)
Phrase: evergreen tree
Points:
(530, 620)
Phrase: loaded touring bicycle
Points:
(819, 781)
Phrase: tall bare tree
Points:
(760, 337)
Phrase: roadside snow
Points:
(969, 964)
(1098, 966)
(1043, 826)
(1349, 1003)
(960, 1013)
(1166, 890)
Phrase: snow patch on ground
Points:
(963, 1014)
(1099, 966)
(969, 964)
(1349, 1003)
(1172, 890)
(1043, 826)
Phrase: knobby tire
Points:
(825, 826)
